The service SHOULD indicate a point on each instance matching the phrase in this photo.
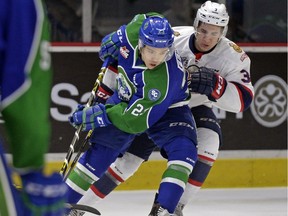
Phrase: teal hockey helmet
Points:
(156, 32)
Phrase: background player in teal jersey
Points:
(150, 97)
(25, 79)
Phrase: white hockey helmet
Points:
(213, 13)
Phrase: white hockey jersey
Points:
(227, 59)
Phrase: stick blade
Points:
(84, 208)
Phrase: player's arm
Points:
(239, 92)
(108, 85)
(233, 93)
(131, 119)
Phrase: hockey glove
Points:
(90, 117)
(206, 81)
(43, 195)
(80, 107)
(110, 47)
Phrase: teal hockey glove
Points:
(80, 107)
(110, 47)
(43, 195)
(90, 117)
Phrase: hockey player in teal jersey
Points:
(223, 81)
(150, 97)
(25, 80)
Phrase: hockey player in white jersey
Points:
(221, 80)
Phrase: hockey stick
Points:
(76, 137)
(82, 208)
(82, 147)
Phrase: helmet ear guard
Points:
(212, 13)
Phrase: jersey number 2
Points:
(137, 111)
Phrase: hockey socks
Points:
(173, 184)
(78, 183)
(196, 180)
(119, 171)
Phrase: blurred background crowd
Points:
(251, 21)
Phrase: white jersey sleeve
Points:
(109, 78)
(227, 59)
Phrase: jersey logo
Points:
(243, 57)
(124, 52)
(154, 94)
(219, 86)
(235, 47)
(124, 90)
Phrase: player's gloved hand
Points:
(80, 107)
(90, 117)
(206, 81)
(43, 195)
(110, 45)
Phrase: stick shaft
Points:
(76, 136)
